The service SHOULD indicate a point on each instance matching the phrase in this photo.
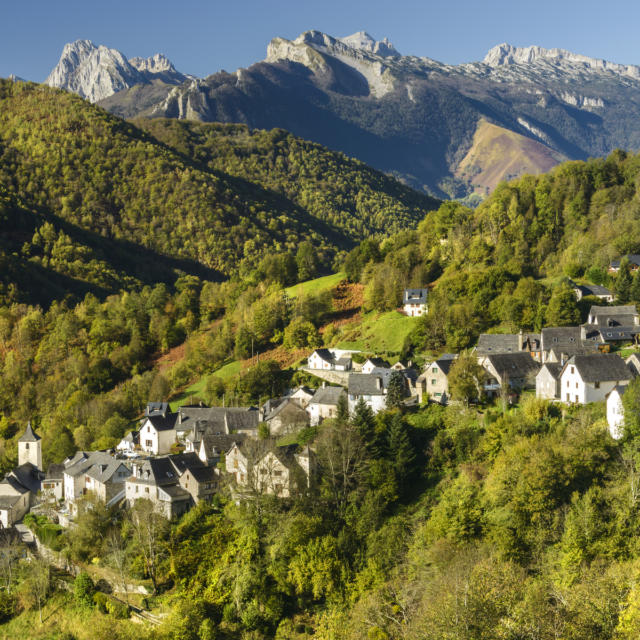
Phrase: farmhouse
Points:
(515, 370)
(330, 360)
(414, 302)
(591, 378)
(548, 381)
(368, 387)
(433, 383)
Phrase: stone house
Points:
(548, 381)
(106, 480)
(324, 404)
(515, 370)
(433, 383)
(287, 417)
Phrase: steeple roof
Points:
(29, 435)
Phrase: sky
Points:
(201, 37)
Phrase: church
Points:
(20, 487)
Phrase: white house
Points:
(370, 388)
(615, 411)
(433, 383)
(158, 433)
(414, 302)
(590, 378)
(596, 290)
(330, 360)
(371, 365)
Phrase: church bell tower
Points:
(30, 448)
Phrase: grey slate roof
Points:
(554, 368)
(85, 461)
(327, 396)
(156, 471)
(621, 315)
(514, 365)
(54, 472)
(183, 461)
(204, 474)
(445, 362)
(29, 435)
(365, 384)
(156, 408)
(211, 419)
(593, 290)
(505, 343)
(415, 296)
(379, 363)
(176, 493)
(163, 422)
(28, 475)
(281, 407)
(600, 367)
(216, 444)
(325, 354)
(103, 472)
(633, 258)
(617, 333)
(237, 421)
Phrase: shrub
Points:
(83, 589)
(7, 606)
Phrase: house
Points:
(192, 422)
(330, 360)
(159, 480)
(515, 370)
(433, 383)
(237, 464)
(302, 394)
(201, 482)
(414, 302)
(634, 263)
(324, 404)
(372, 365)
(615, 411)
(211, 447)
(106, 479)
(158, 433)
(490, 343)
(76, 481)
(53, 482)
(287, 417)
(590, 378)
(548, 381)
(558, 344)
(129, 443)
(369, 387)
(596, 290)
(283, 471)
(618, 316)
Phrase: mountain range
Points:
(450, 130)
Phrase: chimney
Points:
(583, 332)
(379, 382)
(324, 384)
(520, 340)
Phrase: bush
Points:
(117, 609)
(7, 606)
(100, 600)
(83, 589)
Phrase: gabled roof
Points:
(211, 419)
(365, 384)
(600, 367)
(554, 369)
(619, 389)
(592, 290)
(325, 355)
(445, 362)
(237, 421)
(513, 365)
(506, 343)
(286, 403)
(619, 313)
(175, 493)
(327, 396)
(416, 296)
(216, 444)
(183, 461)
(29, 476)
(204, 474)
(103, 472)
(85, 461)
(379, 363)
(156, 471)
(29, 435)
(54, 472)
(14, 483)
(163, 422)
(156, 408)
(633, 258)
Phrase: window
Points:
(146, 489)
(573, 369)
(434, 370)
(148, 443)
(576, 385)
(567, 383)
(596, 385)
(277, 474)
(438, 394)
(434, 381)
(26, 446)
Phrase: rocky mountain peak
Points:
(158, 63)
(506, 54)
(362, 40)
(97, 72)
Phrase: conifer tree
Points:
(563, 310)
(395, 390)
(401, 453)
(624, 283)
(364, 422)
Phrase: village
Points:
(178, 458)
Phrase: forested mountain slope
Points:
(82, 190)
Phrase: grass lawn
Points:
(197, 388)
(316, 286)
(379, 333)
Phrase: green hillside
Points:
(92, 202)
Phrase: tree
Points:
(401, 452)
(36, 581)
(624, 282)
(396, 390)
(149, 527)
(563, 310)
(342, 410)
(365, 423)
(83, 589)
(307, 261)
(466, 378)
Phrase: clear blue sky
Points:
(202, 37)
